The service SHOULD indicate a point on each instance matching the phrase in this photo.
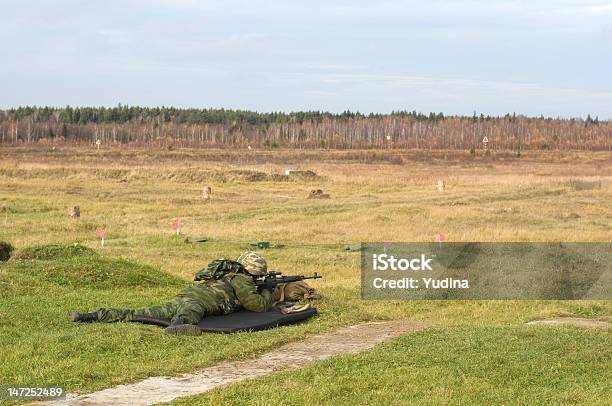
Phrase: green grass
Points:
(55, 251)
(77, 266)
(39, 345)
(142, 263)
(460, 366)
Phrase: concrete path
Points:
(349, 340)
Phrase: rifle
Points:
(273, 278)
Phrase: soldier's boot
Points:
(178, 327)
(83, 317)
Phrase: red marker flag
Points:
(385, 245)
(100, 234)
(176, 225)
(441, 237)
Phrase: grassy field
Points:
(463, 365)
(479, 352)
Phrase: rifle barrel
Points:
(273, 280)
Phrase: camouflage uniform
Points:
(212, 297)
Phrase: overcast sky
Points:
(531, 57)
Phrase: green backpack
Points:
(218, 268)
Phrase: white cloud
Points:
(380, 92)
(528, 56)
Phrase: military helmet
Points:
(254, 263)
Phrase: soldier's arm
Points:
(247, 294)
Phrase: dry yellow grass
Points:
(503, 198)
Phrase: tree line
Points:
(169, 126)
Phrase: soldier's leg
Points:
(187, 316)
(162, 311)
(165, 311)
(111, 315)
(189, 311)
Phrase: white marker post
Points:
(98, 142)
(441, 237)
(101, 234)
(485, 141)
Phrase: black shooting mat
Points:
(245, 321)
